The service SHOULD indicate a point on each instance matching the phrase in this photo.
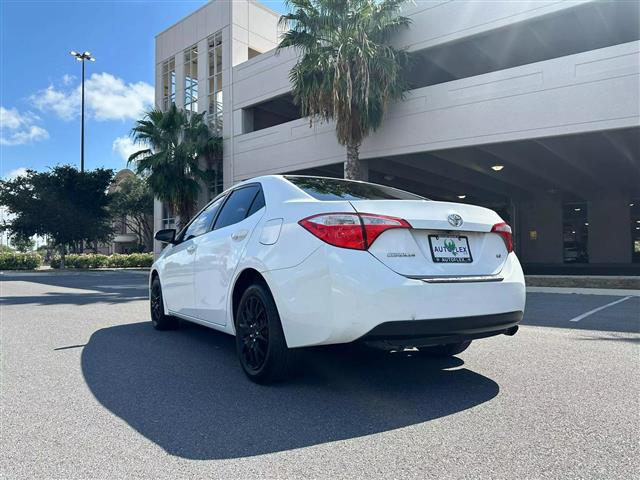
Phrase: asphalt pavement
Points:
(90, 390)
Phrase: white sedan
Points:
(284, 262)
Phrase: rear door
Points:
(220, 250)
(446, 239)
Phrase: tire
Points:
(260, 343)
(445, 350)
(159, 319)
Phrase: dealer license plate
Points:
(450, 249)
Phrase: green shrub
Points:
(19, 261)
(89, 260)
(96, 260)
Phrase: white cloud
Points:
(106, 98)
(124, 147)
(18, 172)
(18, 128)
(10, 118)
(29, 135)
(64, 105)
(68, 79)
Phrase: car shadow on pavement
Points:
(185, 391)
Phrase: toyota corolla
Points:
(285, 262)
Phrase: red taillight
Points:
(351, 230)
(504, 231)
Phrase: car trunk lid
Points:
(446, 239)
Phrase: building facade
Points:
(528, 107)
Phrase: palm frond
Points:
(174, 142)
(346, 71)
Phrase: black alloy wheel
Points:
(260, 342)
(159, 319)
(253, 331)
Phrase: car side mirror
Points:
(168, 235)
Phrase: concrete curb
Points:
(585, 281)
(57, 271)
(613, 292)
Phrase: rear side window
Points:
(258, 203)
(237, 206)
(328, 189)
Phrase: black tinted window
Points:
(202, 223)
(335, 189)
(258, 203)
(235, 209)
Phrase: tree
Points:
(22, 243)
(347, 71)
(175, 141)
(132, 201)
(66, 205)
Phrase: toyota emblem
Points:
(455, 219)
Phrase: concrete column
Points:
(540, 233)
(609, 230)
(203, 76)
(229, 127)
(157, 225)
(180, 79)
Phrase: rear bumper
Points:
(339, 296)
(421, 333)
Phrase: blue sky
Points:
(39, 80)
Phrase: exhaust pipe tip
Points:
(511, 331)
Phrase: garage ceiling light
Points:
(497, 168)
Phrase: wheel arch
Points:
(152, 275)
(247, 277)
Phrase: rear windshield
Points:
(327, 189)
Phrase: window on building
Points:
(168, 83)
(575, 219)
(191, 79)
(214, 111)
(215, 181)
(168, 217)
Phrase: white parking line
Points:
(595, 310)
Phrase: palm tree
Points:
(174, 141)
(346, 71)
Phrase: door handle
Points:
(191, 248)
(239, 235)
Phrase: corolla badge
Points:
(455, 219)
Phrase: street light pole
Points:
(82, 125)
(81, 57)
